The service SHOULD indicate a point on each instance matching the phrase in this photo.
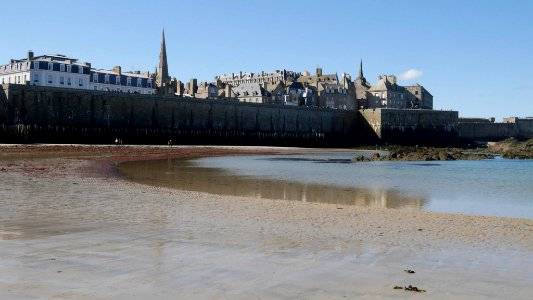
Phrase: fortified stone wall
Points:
(520, 128)
(30, 112)
(413, 126)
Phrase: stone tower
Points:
(162, 79)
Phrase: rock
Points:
(414, 289)
(409, 271)
(397, 287)
(443, 155)
(375, 156)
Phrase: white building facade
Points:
(64, 72)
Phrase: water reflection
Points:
(184, 175)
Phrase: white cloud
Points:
(411, 74)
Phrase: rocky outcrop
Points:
(403, 153)
(513, 148)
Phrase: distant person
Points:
(116, 141)
(170, 143)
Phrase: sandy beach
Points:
(72, 228)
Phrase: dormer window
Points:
(128, 80)
(95, 77)
(69, 68)
(107, 78)
(62, 67)
(50, 66)
(117, 80)
(80, 70)
(150, 83)
(36, 65)
(139, 82)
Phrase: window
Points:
(416, 92)
(62, 67)
(150, 83)
(95, 77)
(139, 82)
(50, 66)
(69, 81)
(117, 80)
(80, 70)
(80, 81)
(61, 80)
(36, 65)
(69, 68)
(50, 79)
(35, 77)
(128, 81)
(106, 78)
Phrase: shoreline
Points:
(229, 247)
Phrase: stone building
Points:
(418, 97)
(386, 93)
(295, 94)
(261, 77)
(335, 96)
(206, 90)
(319, 77)
(251, 92)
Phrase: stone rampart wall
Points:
(164, 117)
(521, 128)
(413, 126)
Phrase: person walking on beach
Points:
(170, 143)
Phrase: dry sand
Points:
(71, 229)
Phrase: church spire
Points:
(162, 78)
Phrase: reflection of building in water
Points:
(182, 175)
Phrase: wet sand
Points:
(71, 228)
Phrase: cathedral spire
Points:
(361, 69)
(162, 78)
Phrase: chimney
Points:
(117, 69)
(30, 55)
(240, 74)
(193, 86)
(318, 71)
(228, 91)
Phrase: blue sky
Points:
(473, 56)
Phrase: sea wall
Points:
(44, 114)
(30, 114)
(486, 131)
(412, 126)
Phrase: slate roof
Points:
(250, 90)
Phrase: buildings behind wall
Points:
(281, 87)
(386, 93)
(65, 72)
(328, 91)
(261, 77)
